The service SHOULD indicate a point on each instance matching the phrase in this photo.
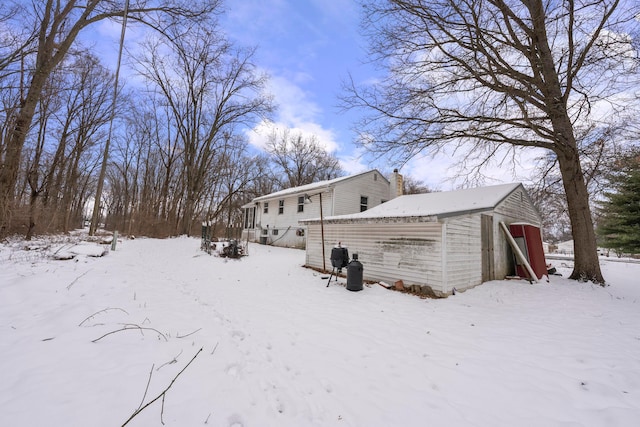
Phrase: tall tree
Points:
(502, 74)
(210, 89)
(300, 160)
(619, 224)
(56, 25)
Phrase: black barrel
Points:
(354, 274)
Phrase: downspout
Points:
(333, 201)
(443, 255)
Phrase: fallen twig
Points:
(184, 336)
(102, 311)
(161, 395)
(172, 361)
(130, 328)
(146, 388)
(162, 409)
(77, 278)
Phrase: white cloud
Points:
(354, 162)
(443, 171)
(297, 113)
(258, 136)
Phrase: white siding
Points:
(287, 222)
(442, 255)
(518, 207)
(411, 252)
(343, 197)
(372, 185)
(463, 253)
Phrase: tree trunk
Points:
(13, 155)
(586, 263)
(33, 199)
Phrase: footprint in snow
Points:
(327, 386)
(238, 335)
(235, 421)
(233, 370)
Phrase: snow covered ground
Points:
(87, 341)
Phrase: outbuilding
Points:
(441, 242)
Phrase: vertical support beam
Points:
(324, 261)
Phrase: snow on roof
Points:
(437, 204)
(310, 187)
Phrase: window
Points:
(266, 207)
(364, 200)
(274, 231)
(280, 207)
(301, 204)
(265, 231)
(249, 218)
(375, 176)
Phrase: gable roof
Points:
(313, 187)
(441, 204)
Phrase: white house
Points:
(436, 241)
(274, 218)
(565, 248)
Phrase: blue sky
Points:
(308, 47)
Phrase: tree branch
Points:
(130, 328)
(162, 394)
(102, 311)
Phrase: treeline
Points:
(178, 152)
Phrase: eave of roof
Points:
(316, 187)
(430, 206)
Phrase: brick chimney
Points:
(396, 184)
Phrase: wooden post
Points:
(324, 262)
(114, 242)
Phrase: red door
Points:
(529, 240)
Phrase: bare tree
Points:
(56, 25)
(210, 89)
(601, 149)
(412, 185)
(262, 182)
(69, 119)
(300, 160)
(502, 75)
(14, 41)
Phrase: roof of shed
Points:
(444, 203)
(316, 186)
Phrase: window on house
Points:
(280, 207)
(364, 201)
(249, 217)
(375, 176)
(301, 204)
(265, 231)
(274, 231)
(266, 207)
